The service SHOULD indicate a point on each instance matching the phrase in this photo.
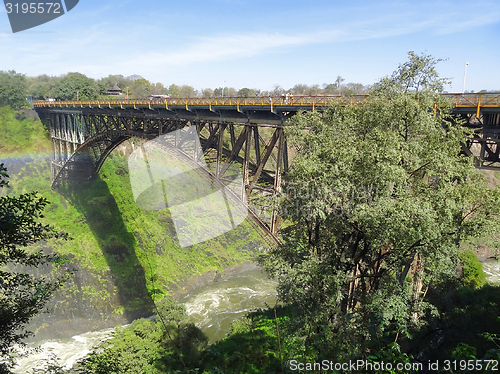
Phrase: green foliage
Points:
(41, 87)
(12, 89)
(168, 345)
(463, 351)
(76, 85)
(417, 75)
(379, 196)
(21, 136)
(251, 347)
(40, 90)
(246, 92)
(473, 274)
(391, 353)
(23, 295)
(465, 314)
(140, 88)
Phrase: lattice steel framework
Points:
(248, 131)
(484, 143)
(82, 142)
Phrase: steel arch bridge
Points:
(231, 129)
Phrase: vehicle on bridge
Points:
(158, 97)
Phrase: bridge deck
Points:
(472, 102)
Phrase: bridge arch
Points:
(82, 142)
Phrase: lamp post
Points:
(127, 93)
(223, 84)
(77, 92)
(465, 72)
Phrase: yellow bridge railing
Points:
(468, 100)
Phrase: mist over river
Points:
(211, 307)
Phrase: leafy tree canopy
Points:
(417, 74)
(12, 89)
(377, 201)
(246, 92)
(76, 85)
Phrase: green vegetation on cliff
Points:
(22, 294)
(21, 136)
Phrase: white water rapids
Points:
(211, 308)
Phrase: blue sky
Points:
(259, 44)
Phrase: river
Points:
(211, 307)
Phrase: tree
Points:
(378, 199)
(158, 89)
(218, 92)
(76, 86)
(246, 92)
(299, 89)
(330, 89)
(174, 90)
(277, 90)
(230, 92)
(41, 87)
(140, 88)
(207, 92)
(187, 91)
(40, 90)
(353, 89)
(22, 295)
(167, 345)
(416, 75)
(12, 89)
(339, 81)
(313, 90)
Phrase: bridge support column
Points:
(277, 180)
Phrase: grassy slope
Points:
(125, 252)
(21, 136)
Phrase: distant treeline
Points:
(15, 87)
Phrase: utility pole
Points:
(465, 72)
(223, 84)
(77, 92)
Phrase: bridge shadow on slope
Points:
(94, 200)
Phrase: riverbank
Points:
(183, 289)
(215, 299)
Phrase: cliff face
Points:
(122, 255)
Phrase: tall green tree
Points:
(378, 199)
(174, 90)
(246, 92)
(76, 85)
(141, 88)
(22, 295)
(12, 89)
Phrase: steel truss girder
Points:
(82, 142)
(484, 144)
